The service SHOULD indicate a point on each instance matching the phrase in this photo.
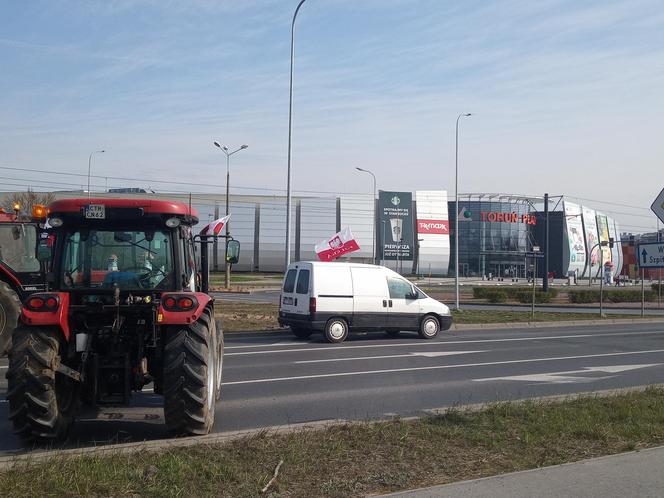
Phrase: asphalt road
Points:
(272, 297)
(273, 379)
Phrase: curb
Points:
(570, 323)
(10, 461)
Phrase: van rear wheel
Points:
(301, 333)
(336, 330)
(429, 327)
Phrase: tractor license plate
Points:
(95, 212)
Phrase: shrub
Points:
(526, 296)
(610, 296)
(521, 294)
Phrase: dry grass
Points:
(357, 459)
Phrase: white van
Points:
(335, 298)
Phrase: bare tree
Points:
(25, 201)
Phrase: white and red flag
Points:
(339, 244)
(215, 227)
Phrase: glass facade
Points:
(494, 236)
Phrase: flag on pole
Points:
(339, 244)
(215, 227)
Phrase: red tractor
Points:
(124, 307)
(20, 270)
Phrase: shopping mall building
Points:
(413, 232)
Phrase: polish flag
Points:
(215, 227)
(340, 244)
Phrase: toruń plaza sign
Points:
(493, 217)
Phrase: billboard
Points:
(603, 232)
(395, 214)
(433, 232)
(616, 252)
(590, 231)
(576, 245)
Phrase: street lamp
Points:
(373, 221)
(224, 149)
(290, 128)
(456, 216)
(90, 166)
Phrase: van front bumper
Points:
(445, 321)
(308, 322)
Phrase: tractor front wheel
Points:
(190, 378)
(42, 402)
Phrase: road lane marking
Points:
(265, 345)
(437, 367)
(415, 343)
(569, 377)
(433, 354)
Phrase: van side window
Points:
(399, 289)
(289, 282)
(303, 282)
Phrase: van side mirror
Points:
(232, 251)
(412, 294)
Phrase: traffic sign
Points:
(651, 255)
(658, 206)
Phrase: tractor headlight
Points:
(173, 222)
(55, 222)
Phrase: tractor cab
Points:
(126, 306)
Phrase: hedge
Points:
(520, 294)
(610, 296)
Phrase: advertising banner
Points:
(616, 258)
(603, 232)
(590, 231)
(575, 239)
(395, 211)
(433, 232)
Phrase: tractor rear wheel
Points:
(190, 379)
(42, 402)
(10, 309)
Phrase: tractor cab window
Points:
(134, 260)
(18, 247)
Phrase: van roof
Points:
(333, 263)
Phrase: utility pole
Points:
(545, 281)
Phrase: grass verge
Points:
(358, 459)
(239, 316)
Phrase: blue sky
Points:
(567, 96)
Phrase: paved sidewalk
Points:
(637, 474)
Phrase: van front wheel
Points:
(336, 330)
(429, 327)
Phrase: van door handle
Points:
(384, 303)
(390, 303)
(295, 301)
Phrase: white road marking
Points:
(438, 367)
(433, 354)
(568, 377)
(294, 343)
(415, 343)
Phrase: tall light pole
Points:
(290, 129)
(456, 216)
(90, 166)
(373, 220)
(224, 149)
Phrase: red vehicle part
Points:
(48, 315)
(181, 308)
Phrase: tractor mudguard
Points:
(166, 317)
(58, 317)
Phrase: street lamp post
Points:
(224, 149)
(602, 243)
(373, 221)
(456, 216)
(290, 129)
(90, 166)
